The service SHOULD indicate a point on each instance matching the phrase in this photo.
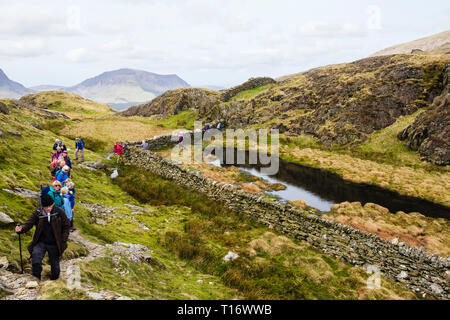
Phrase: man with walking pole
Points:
(51, 235)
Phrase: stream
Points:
(321, 189)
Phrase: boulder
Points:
(33, 124)
(3, 108)
(15, 133)
(5, 219)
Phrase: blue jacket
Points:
(72, 197)
(79, 144)
(67, 207)
(61, 177)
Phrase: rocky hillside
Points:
(11, 89)
(430, 132)
(431, 43)
(174, 101)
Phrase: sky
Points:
(205, 42)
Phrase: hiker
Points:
(59, 165)
(59, 143)
(67, 160)
(180, 142)
(206, 127)
(56, 155)
(67, 205)
(118, 149)
(51, 235)
(55, 193)
(220, 126)
(79, 146)
(144, 145)
(63, 174)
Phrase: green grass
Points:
(184, 119)
(251, 93)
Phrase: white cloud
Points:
(80, 55)
(24, 48)
(321, 29)
(32, 20)
(237, 23)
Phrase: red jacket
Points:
(118, 149)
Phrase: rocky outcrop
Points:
(430, 132)
(4, 108)
(250, 84)
(427, 273)
(174, 101)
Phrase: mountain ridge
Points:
(10, 88)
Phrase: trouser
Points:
(82, 154)
(38, 255)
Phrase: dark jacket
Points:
(68, 162)
(62, 145)
(59, 223)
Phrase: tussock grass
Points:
(415, 229)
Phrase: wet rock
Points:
(5, 219)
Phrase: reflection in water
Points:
(321, 189)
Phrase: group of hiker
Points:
(54, 217)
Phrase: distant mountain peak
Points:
(11, 89)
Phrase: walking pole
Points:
(20, 248)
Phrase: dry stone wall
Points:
(414, 267)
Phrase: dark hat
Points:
(46, 200)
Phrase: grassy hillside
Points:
(188, 233)
(71, 104)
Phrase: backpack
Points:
(45, 190)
